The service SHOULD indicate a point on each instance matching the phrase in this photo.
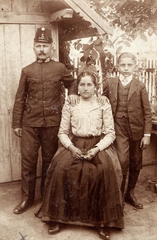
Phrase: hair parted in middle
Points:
(88, 70)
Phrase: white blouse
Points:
(87, 119)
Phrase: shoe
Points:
(22, 207)
(54, 228)
(131, 199)
(104, 233)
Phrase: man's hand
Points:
(73, 99)
(145, 142)
(18, 132)
(101, 99)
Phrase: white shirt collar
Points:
(125, 80)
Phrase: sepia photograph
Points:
(78, 118)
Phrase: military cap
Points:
(43, 35)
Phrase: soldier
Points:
(37, 113)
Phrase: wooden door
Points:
(16, 51)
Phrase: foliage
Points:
(94, 50)
(130, 18)
(134, 17)
(64, 51)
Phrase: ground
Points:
(139, 224)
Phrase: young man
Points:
(37, 113)
(132, 117)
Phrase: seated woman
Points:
(84, 177)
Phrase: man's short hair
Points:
(128, 55)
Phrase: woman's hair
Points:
(88, 70)
(93, 77)
(83, 74)
(126, 54)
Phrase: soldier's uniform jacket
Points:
(38, 98)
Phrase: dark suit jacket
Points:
(139, 110)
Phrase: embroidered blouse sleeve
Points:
(65, 126)
(108, 131)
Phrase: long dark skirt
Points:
(83, 192)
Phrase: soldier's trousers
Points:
(32, 139)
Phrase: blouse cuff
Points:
(66, 142)
(105, 142)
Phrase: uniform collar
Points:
(43, 61)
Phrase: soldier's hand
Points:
(18, 132)
(73, 99)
